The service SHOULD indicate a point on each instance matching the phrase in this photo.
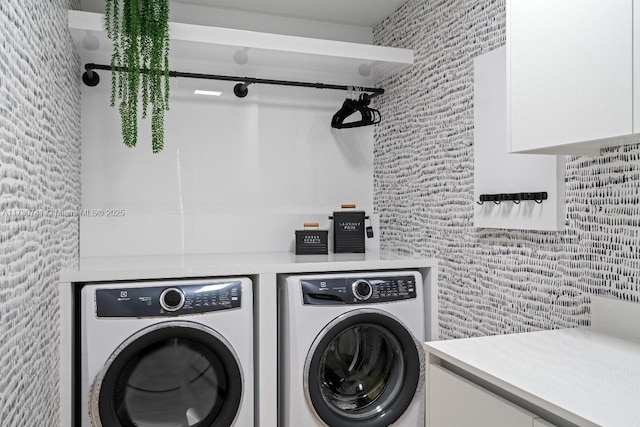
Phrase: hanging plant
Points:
(139, 30)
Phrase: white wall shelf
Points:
(198, 48)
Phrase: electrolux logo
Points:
(124, 296)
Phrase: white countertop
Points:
(587, 377)
(174, 266)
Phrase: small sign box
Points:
(312, 241)
(348, 230)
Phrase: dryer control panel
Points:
(171, 300)
(365, 290)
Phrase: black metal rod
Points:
(246, 81)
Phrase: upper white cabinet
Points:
(204, 49)
(526, 173)
(570, 75)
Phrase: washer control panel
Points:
(365, 290)
(171, 300)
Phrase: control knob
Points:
(362, 290)
(172, 299)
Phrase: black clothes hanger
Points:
(369, 116)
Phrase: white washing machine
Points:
(351, 350)
(167, 353)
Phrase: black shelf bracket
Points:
(516, 198)
(91, 78)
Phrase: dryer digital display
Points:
(168, 301)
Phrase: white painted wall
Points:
(236, 175)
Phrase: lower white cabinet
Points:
(456, 402)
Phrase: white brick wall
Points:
(491, 281)
(39, 178)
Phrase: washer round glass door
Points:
(363, 369)
(173, 374)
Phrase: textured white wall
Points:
(491, 281)
(39, 186)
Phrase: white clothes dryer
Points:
(167, 354)
(351, 350)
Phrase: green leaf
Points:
(139, 30)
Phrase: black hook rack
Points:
(91, 78)
(513, 197)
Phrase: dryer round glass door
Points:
(178, 374)
(363, 369)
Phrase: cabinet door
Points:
(454, 401)
(570, 75)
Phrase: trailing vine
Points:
(139, 30)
